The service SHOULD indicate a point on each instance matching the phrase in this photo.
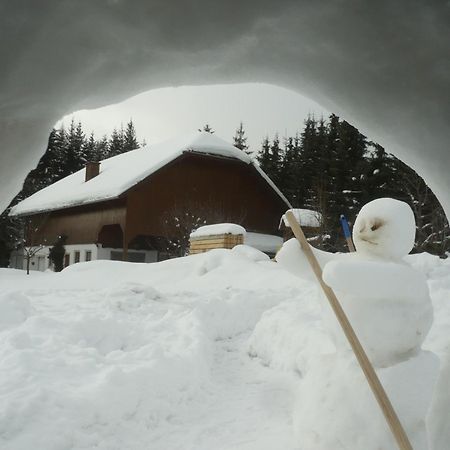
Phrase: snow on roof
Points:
(121, 172)
(218, 228)
(305, 217)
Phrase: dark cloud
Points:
(383, 65)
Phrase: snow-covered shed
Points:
(309, 220)
(132, 204)
(228, 235)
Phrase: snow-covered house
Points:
(129, 206)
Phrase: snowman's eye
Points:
(376, 225)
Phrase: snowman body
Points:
(387, 303)
(389, 307)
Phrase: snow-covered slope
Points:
(121, 172)
(203, 352)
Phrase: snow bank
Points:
(115, 355)
(74, 375)
(15, 308)
(250, 252)
(291, 333)
(207, 351)
(218, 228)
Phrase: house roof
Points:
(121, 172)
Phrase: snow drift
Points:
(209, 351)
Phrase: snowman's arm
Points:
(293, 259)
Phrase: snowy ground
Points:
(203, 352)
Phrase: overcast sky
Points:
(164, 113)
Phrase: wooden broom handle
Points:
(371, 376)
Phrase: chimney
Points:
(92, 170)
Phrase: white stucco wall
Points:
(41, 262)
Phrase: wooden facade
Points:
(217, 188)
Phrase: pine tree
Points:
(352, 150)
(321, 179)
(102, 148)
(57, 165)
(207, 129)
(11, 233)
(74, 152)
(263, 157)
(286, 172)
(130, 141)
(308, 162)
(50, 167)
(332, 143)
(380, 173)
(275, 160)
(291, 178)
(116, 143)
(240, 140)
(90, 149)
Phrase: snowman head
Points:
(385, 228)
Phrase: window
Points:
(88, 255)
(66, 259)
(77, 257)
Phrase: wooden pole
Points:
(371, 376)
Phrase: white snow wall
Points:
(381, 65)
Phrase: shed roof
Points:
(305, 217)
(121, 172)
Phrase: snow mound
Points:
(288, 335)
(249, 252)
(114, 355)
(220, 350)
(15, 308)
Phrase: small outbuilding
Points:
(142, 205)
(228, 235)
(309, 220)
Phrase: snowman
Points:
(385, 299)
(388, 304)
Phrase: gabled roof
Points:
(121, 172)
